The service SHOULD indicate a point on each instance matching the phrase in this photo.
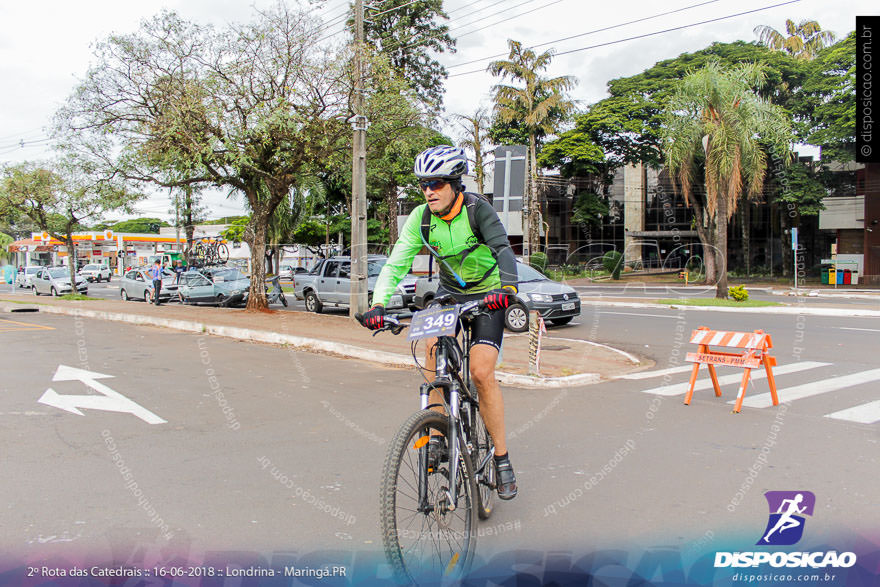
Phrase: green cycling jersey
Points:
(468, 262)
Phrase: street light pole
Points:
(358, 302)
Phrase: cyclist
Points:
(463, 232)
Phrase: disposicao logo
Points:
(787, 510)
(785, 527)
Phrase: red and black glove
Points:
(374, 318)
(497, 300)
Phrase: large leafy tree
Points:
(827, 101)
(530, 101)
(802, 40)
(61, 197)
(715, 122)
(251, 108)
(628, 124)
(411, 34)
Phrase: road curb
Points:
(784, 310)
(300, 343)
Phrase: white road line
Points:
(637, 314)
(705, 382)
(868, 413)
(862, 329)
(658, 373)
(762, 400)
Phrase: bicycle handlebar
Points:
(396, 327)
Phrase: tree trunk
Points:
(721, 223)
(746, 219)
(391, 203)
(534, 226)
(71, 258)
(706, 233)
(256, 231)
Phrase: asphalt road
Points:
(248, 473)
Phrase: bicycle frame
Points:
(454, 380)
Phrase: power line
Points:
(608, 28)
(678, 28)
(429, 37)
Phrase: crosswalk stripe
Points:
(864, 414)
(660, 373)
(706, 382)
(763, 400)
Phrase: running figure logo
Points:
(787, 509)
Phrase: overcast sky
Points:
(46, 46)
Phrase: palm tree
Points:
(533, 105)
(716, 121)
(803, 41)
(475, 138)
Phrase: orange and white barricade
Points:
(755, 354)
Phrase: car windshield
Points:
(374, 267)
(59, 272)
(90, 267)
(32, 270)
(228, 275)
(527, 273)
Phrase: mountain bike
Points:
(430, 501)
(210, 252)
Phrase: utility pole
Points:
(358, 302)
(177, 222)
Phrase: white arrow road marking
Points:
(706, 383)
(868, 413)
(109, 400)
(762, 400)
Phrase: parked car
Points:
(290, 271)
(95, 272)
(56, 281)
(329, 284)
(557, 303)
(136, 284)
(25, 278)
(218, 285)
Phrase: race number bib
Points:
(436, 321)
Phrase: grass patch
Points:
(76, 297)
(286, 289)
(716, 302)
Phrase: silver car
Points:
(56, 281)
(136, 284)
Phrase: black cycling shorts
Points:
(487, 328)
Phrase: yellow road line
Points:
(27, 326)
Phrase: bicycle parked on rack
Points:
(439, 475)
(209, 252)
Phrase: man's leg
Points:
(483, 359)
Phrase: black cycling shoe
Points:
(506, 479)
(437, 452)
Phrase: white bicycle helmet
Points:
(442, 161)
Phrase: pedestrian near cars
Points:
(156, 276)
(178, 271)
(9, 275)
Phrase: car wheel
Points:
(220, 299)
(53, 292)
(34, 288)
(561, 321)
(427, 300)
(148, 297)
(516, 318)
(123, 294)
(313, 304)
(180, 298)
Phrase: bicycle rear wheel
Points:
(424, 538)
(222, 253)
(484, 464)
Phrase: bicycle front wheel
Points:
(484, 464)
(425, 537)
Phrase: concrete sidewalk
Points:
(564, 362)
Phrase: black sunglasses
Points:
(433, 184)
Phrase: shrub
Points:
(738, 293)
(538, 261)
(613, 263)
